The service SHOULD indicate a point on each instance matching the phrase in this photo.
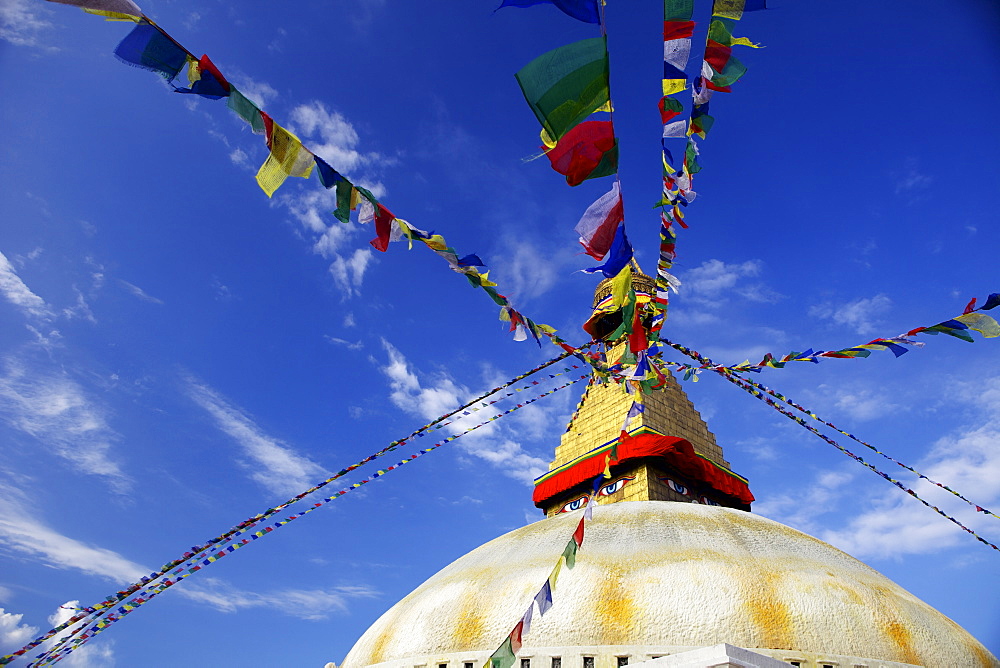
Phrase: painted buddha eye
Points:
(608, 490)
(709, 502)
(575, 504)
(676, 486)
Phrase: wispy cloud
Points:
(803, 508)
(356, 345)
(56, 411)
(715, 282)
(442, 395)
(140, 293)
(310, 604)
(863, 315)
(20, 295)
(272, 463)
(348, 272)
(32, 538)
(13, 633)
(21, 22)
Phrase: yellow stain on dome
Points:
(616, 609)
(768, 611)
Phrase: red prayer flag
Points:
(677, 29)
(587, 151)
(970, 307)
(578, 534)
(383, 228)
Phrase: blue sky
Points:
(179, 352)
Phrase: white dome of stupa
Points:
(655, 578)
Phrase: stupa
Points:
(673, 561)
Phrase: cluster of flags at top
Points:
(565, 87)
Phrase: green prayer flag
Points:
(570, 553)
(343, 210)
(678, 10)
(503, 657)
(567, 84)
(691, 159)
(245, 109)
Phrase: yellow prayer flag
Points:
(620, 287)
(981, 323)
(113, 16)
(728, 9)
(671, 86)
(288, 158)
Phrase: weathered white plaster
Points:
(655, 578)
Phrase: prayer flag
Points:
(245, 109)
(544, 598)
(733, 9)
(211, 83)
(569, 553)
(619, 255)
(288, 157)
(669, 108)
(599, 222)
(328, 176)
(991, 302)
(727, 69)
(115, 6)
(503, 657)
(582, 10)
(677, 10)
(720, 31)
(383, 228)
(675, 129)
(526, 619)
(588, 151)
(981, 323)
(515, 637)
(148, 48)
(578, 534)
(567, 84)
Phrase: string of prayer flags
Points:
(958, 327)
(193, 563)
(195, 551)
(126, 7)
(567, 84)
(149, 48)
(506, 654)
(588, 151)
(745, 385)
(599, 222)
(582, 10)
(245, 108)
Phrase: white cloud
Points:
(349, 320)
(350, 271)
(272, 463)
(863, 315)
(310, 604)
(21, 22)
(140, 293)
(57, 412)
(715, 281)
(14, 634)
(527, 273)
(338, 138)
(802, 508)
(357, 345)
(443, 396)
(81, 309)
(18, 294)
(240, 158)
(22, 533)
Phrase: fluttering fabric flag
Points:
(503, 657)
(670, 108)
(588, 151)
(148, 48)
(675, 129)
(582, 10)
(544, 598)
(210, 82)
(720, 31)
(619, 255)
(599, 222)
(244, 107)
(288, 157)
(383, 227)
(678, 10)
(114, 6)
(569, 553)
(677, 42)
(565, 85)
(726, 69)
(733, 9)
